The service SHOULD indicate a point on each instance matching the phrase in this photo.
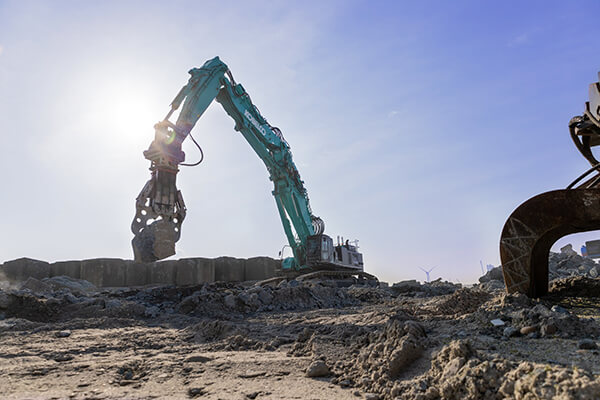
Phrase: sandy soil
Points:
(66, 339)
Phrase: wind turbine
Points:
(427, 272)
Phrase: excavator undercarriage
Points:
(538, 223)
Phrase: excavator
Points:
(539, 222)
(160, 209)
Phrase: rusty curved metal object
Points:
(535, 226)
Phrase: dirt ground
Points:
(63, 338)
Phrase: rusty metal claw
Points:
(532, 229)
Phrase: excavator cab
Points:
(321, 253)
(539, 222)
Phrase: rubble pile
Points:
(59, 298)
(520, 316)
(560, 265)
(458, 371)
(427, 289)
(384, 356)
(411, 340)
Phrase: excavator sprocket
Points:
(535, 226)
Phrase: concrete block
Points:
(137, 274)
(22, 268)
(259, 268)
(229, 269)
(205, 268)
(71, 269)
(162, 272)
(192, 271)
(185, 272)
(115, 272)
(93, 271)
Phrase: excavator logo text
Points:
(255, 123)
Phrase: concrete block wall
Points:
(115, 272)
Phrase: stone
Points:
(494, 274)
(229, 301)
(559, 309)
(497, 322)
(197, 359)
(293, 283)
(5, 300)
(406, 286)
(593, 272)
(195, 392)
(112, 304)
(526, 330)
(76, 286)
(36, 286)
(587, 344)
(264, 296)
(371, 396)
(453, 367)
(63, 334)
(251, 300)
(317, 369)
(152, 312)
(548, 328)
(510, 331)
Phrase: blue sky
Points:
(417, 126)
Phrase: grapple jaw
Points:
(160, 211)
(535, 226)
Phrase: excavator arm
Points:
(535, 225)
(160, 209)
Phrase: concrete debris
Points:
(510, 331)
(410, 340)
(562, 265)
(317, 369)
(587, 344)
(433, 288)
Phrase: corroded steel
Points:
(532, 229)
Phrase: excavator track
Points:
(320, 275)
(532, 229)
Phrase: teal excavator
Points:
(160, 209)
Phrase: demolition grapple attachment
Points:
(535, 225)
(160, 209)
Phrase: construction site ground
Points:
(64, 338)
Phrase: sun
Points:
(130, 110)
